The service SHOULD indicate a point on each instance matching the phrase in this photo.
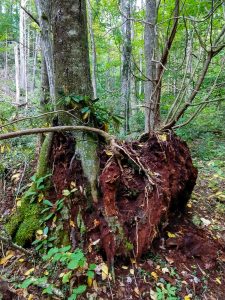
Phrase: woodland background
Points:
(125, 52)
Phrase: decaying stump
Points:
(142, 184)
(142, 187)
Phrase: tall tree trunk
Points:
(150, 47)
(126, 62)
(6, 65)
(93, 49)
(35, 54)
(23, 50)
(72, 75)
(44, 16)
(17, 73)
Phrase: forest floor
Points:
(186, 262)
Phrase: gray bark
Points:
(44, 16)
(126, 62)
(36, 48)
(72, 75)
(22, 45)
(150, 49)
(93, 50)
(17, 73)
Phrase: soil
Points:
(145, 188)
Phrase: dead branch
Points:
(32, 131)
(30, 15)
(10, 243)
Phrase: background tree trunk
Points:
(126, 62)
(150, 64)
(93, 49)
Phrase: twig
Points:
(40, 116)
(15, 246)
(30, 15)
(56, 291)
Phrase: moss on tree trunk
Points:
(26, 219)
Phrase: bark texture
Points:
(126, 62)
(151, 118)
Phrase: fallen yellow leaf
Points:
(105, 271)
(218, 280)
(136, 290)
(89, 281)
(162, 137)
(132, 271)
(109, 153)
(72, 224)
(171, 235)
(5, 259)
(39, 232)
(124, 267)
(27, 273)
(155, 276)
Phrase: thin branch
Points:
(40, 116)
(30, 15)
(210, 101)
(192, 117)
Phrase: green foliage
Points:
(51, 209)
(78, 291)
(44, 242)
(167, 293)
(38, 186)
(63, 258)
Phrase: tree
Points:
(141, 183)
(126, 62)
(72, 81)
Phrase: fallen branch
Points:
(32, 131)
(45, 285)
(15, 246)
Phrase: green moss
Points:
(42, 168)
(14, 222)
(26, 219)
(24, 222)
(30, 224)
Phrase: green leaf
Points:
(47, 202)
(66, 277)
(66, 193)
(50, 253)
(90, 274)
(80, 289)
(85, 109)
(49, 217)
(65, 249)
(92, 267)
(45, 231)
(73, 264)
(27, 283)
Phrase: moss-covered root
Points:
(24, 223)
(26, 219)
(42, 168)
